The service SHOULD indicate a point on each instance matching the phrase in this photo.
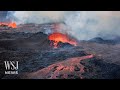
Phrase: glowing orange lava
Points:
(59, 37)
(11, 24)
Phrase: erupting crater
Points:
(59, 37)
(11, 24)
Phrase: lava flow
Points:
(69, 68)
(11, 24)
(59, 37)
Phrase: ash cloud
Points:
(89, 24)
(38, 17)
(83, 25)
(3, 16)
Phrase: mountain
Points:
(103, 41)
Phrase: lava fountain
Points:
(11, 24)
(59, 37)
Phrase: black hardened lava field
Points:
(48, 51)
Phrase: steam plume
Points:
(83, 25)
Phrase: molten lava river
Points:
(59, 37)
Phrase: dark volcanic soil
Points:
(35, 55)
(86, 67)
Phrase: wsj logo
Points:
(11, 67)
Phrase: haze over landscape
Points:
(61, 44)
(81, 24)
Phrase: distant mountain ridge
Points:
(103, 41)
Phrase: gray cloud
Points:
(83, 25)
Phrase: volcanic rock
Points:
(96, 68)
(60, 70)
(87, 67)
(34, 53)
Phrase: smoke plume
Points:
(83, 25)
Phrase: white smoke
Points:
(38, 16)
(89, 24)
(83, 25)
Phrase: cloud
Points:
(90, 24)
(83, 25)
